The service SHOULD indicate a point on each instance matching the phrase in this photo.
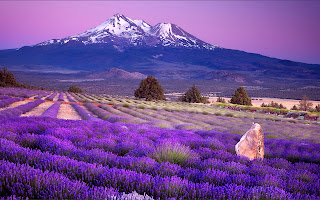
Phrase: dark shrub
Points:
(75, 89)
(241, 97)
(193, 95)
(150, 89)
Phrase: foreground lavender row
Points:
(101, 160)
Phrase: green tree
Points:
(75, 89)
(305, 104)
(241, 97)
(193, 95)
(150, 89)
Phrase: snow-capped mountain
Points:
(163, 50)
(122, 31)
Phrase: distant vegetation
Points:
(305, 104)
(7, 79)
(150, 89)
(75, 89)
(221, 100)
(317, 108)
(193, 95)
(241, 97)
(273, 105)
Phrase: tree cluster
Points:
(75, 89)
(150, 89)
(7, 78)
(241, 97)
(305, 104)
(273, 105)
(193, 95)
(221, 100)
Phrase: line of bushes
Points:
(285, 112)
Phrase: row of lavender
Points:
(22, 109)
(187, 120)
(106, 159)
(19, 92)
(37, 94)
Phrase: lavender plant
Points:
(51, 97)
(61, 97)
(7, 101)
(69, 97)
(84, 114)
(52, 111)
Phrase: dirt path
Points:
(15, 104)
(66, 111)
(43, 98)
(65, 97)
(37, 111)
(56, 97)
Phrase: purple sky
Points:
(281, 29)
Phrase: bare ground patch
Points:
(37, 111)
(65, 98)
(15, 104)
(56, 97)
(66, 111)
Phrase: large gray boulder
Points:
(251, 145)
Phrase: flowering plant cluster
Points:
(22, 109)
(19, 92)
(61, 98)
(52, 111)
(9, 100)
(103, 160)
(51, 97)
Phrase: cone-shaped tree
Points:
(150, 89)
(193, 95)
(241, 97)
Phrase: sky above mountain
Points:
(281, 29)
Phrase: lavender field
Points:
(130, 149)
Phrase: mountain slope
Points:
(115, 73)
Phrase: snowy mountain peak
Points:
(121, 32)
(162, 30)
(143, 25)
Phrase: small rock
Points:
(301, 113)
(290, 114)
(300, 118)
(251, 144)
